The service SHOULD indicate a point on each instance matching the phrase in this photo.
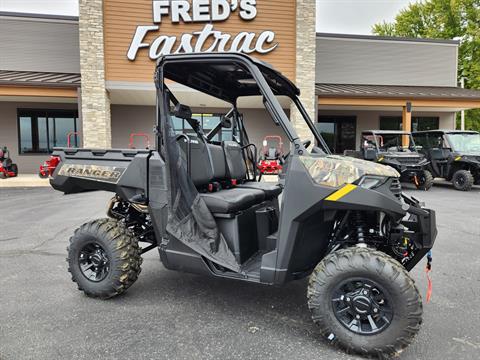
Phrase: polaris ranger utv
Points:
(386, 147)
(454, 155)
(342, 222)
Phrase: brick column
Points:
(305, 66)
(95, 100)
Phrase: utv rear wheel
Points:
(463, 180)
(425, 181)
(365, 302)
(103, 258)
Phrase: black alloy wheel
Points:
(94, 262)
(362, 306)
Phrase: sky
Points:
(333, 16)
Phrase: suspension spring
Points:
(360, 226)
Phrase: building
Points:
(94, 75)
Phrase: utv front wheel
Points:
(463, 180)
(103, 258)
(425, 181)
(365, 302)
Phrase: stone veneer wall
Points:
(305, 66)
(95, 100)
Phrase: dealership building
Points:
(93, 75)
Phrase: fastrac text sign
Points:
(207, 39)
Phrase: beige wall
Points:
(27, 164)
(128, 119)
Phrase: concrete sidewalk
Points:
(24, 180)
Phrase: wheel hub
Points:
(362, 306)
(94, 262)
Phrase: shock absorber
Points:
(360, 227)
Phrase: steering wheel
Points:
(306, 144)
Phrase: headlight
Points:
(371, 182)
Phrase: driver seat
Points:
(237, 170)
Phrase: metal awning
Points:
(32, 78)
(396, 92)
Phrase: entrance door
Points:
(339, 132)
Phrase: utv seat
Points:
(237, 170)
(232, 200)
(207, 163)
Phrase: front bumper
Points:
(420, 227)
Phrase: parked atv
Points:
(7, 167)
(271, 160)
(453, 155)
(387, 147)
(343, 222)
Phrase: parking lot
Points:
(171, 315)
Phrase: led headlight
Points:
(371, 181)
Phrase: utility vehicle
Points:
(342, 222)
(7, 167)
(453, 155)
(396, 149)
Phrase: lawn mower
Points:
(7, 167)
(271, 159)
(342, 222)
(146, 138)
(49, 166)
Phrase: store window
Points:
(39, 131)
(207, 121)
(419, 123)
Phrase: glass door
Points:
(339, 132)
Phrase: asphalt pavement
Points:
(171, 315)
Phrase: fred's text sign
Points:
(207, 39)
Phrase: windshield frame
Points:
(412, 146)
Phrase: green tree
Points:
(445, 19)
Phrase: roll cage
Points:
(228, 77)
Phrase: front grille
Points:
(408, 160)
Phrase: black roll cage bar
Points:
(269, 99)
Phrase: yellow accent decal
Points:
(381, 159)
(458, 158)
(337, 195)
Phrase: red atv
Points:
(7, 167)
(49, 166)
(271, 159)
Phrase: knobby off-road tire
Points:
(463, 180)
(426, 181)
(109, 244)
(374, 267)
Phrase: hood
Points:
(336, 170)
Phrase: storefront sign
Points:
(206, 40)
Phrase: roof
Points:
(446, 131)
(388, 38)
(396, 92)
(33, 78)
(386, 132)
(37, 16)
(225, 76)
